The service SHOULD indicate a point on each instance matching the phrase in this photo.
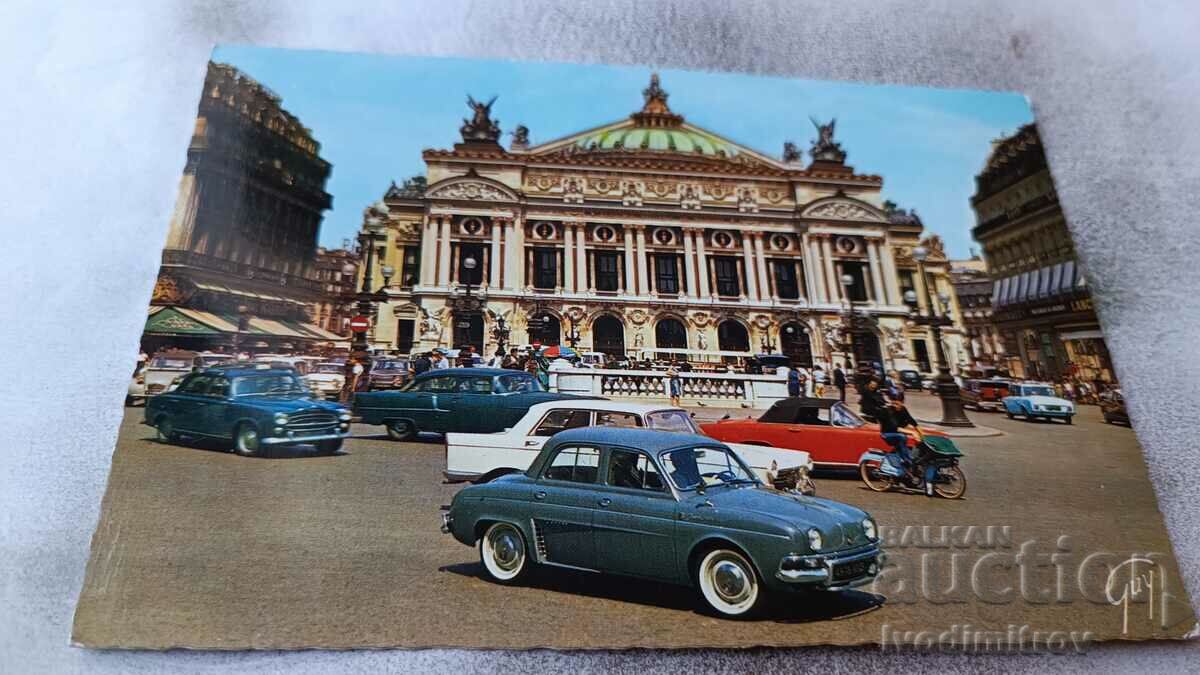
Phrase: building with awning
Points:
(238, 269)
(199, 329)
(1041, 302)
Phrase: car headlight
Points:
(868, 527)
(814, 539)
(280, 418)
(344, 415)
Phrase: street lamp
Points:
(573, 336)
(947, 389)
(501, 333)
(847, 282)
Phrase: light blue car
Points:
(1032, 401)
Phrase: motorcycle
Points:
(934, 456)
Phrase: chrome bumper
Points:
(276, 440)
(818, 569)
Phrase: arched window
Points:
(608, 336)
(670, 334)
(732, 337)
(544, 329)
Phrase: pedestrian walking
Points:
(419, 365)
(839, 381)
(794, 385)
(438, 361)
(675, 384)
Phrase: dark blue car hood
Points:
(286, 404)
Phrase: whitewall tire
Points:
(728, 583)
(503, 552)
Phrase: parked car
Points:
(388, 374)
(911, 379)
(137, 386)
(592, 360)
(164, 368)
(326, 379)
(1112, 406)
(984, 394)
(484, 457)
(473, 400)
(833, 435)
(249, 406)
(1033, 400)
(677, 508)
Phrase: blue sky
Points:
(374, 114)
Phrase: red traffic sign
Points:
(360, 324)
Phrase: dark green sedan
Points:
(468, 400)
(250, 407)
(673, 507)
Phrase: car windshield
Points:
(268, 385)
(1037, 391)
(840, 415)
(517, 382)
(389, 365)
(330, 368)
(671, 420)
(695, 468)
(171, 364)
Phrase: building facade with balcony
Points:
(1041, 301)
(238, 269)
(337, 270)
(982, 341)
(651, 233)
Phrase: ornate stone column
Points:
(628, 264)
(702, 263)
(876, 271)
(444, 253)
(891, 280)
(760, 263)
(514, 256)
(569, 257)
(833, 284)
(816, 271)
(643, 282)
(689, 265)
(581, 256)
(494, 260)
(429, 241)
(748, 268)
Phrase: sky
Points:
(374, 114)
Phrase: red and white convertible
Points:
(829, 431)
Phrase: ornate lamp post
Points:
(573, 336)
(947, 389)
(500, 334)
(243, 322)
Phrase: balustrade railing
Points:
(718, 389)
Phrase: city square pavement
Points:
(198, 547)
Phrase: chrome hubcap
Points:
(506, 550)
(250, 439)
(730, 582)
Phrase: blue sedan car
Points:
(249, 407)
(1033, 401)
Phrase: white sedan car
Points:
(483, 457)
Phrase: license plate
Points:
(851, 570)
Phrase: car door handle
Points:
(605, 502)
(530, 444)
(539, 495)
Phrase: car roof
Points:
(602, 404)
(468, 372)
(239, 371)
(643, 439)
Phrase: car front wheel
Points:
(166, 431)
(401, 430)
(728, 583)
(503, 553)
(246, 441)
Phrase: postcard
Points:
(484, 354)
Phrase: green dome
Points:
(671, 139)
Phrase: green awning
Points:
(170, 321)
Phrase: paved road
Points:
(202, 548)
